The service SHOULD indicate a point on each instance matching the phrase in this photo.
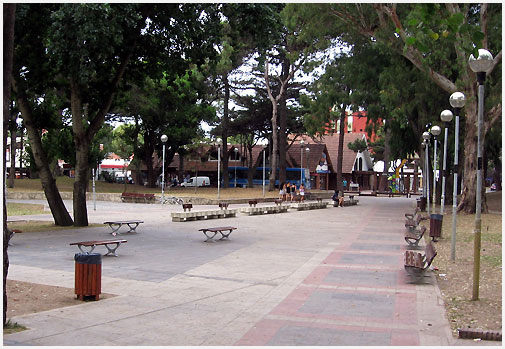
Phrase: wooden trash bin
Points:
(88, 275)
(436, 226)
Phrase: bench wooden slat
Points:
(216, 230)
(106, 243)
(103, 242)
(416, 264)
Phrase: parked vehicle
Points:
(199, 181)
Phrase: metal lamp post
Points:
(479, 65)
(424, 181)
(264, 155)
(307, 151)
(218, 144)
(457, 101)
(435, 131)
(426, 137)
(236, 152)
(446, 117)
(302, 143)
(164, 139)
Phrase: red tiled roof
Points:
(313, 157)
(331, 142)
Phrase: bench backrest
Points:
(187, 205)
(430, 253)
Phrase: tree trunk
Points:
(275, 144)
(80, 184)
(181, 167)
(283, 119)
(12, 174)
(58, 209)
(468, 196)
(252, 166)
(82, 144)
(224, 132)
(384, 178)
(282, 138)
(340, 155)
(9, 15)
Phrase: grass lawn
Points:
(65, 184)
(18, 209)
(455, 278)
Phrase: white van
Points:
(201, 182)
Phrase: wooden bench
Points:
(92, 244)
(137, 197)
(253, 203)
(187, 207)
(413, 237)
(116, 225)
(416, 263)
(413, 224)
(214, 231)
(415, 218)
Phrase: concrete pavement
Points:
(324, 277)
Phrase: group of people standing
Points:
(289, 192)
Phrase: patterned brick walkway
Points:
(359, 295)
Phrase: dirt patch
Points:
(27, 298)
(456, 278)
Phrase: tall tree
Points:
(429, 36)
(84, 50)
(9, 15)
(246, 30)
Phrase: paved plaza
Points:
(330, 276)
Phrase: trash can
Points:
(421, 203)
(88, 275)
(436, 226)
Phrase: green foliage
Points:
(358, 145)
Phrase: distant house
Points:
(356, 166)
(316, 159)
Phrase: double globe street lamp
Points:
(479, 65)
(164, 139)
(426, 137)
(435, 131)
(457, 101)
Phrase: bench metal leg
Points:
(209, 238)
(112, 250)
(115, 227)
(132, 229)
(224, 235)
(91, 248)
